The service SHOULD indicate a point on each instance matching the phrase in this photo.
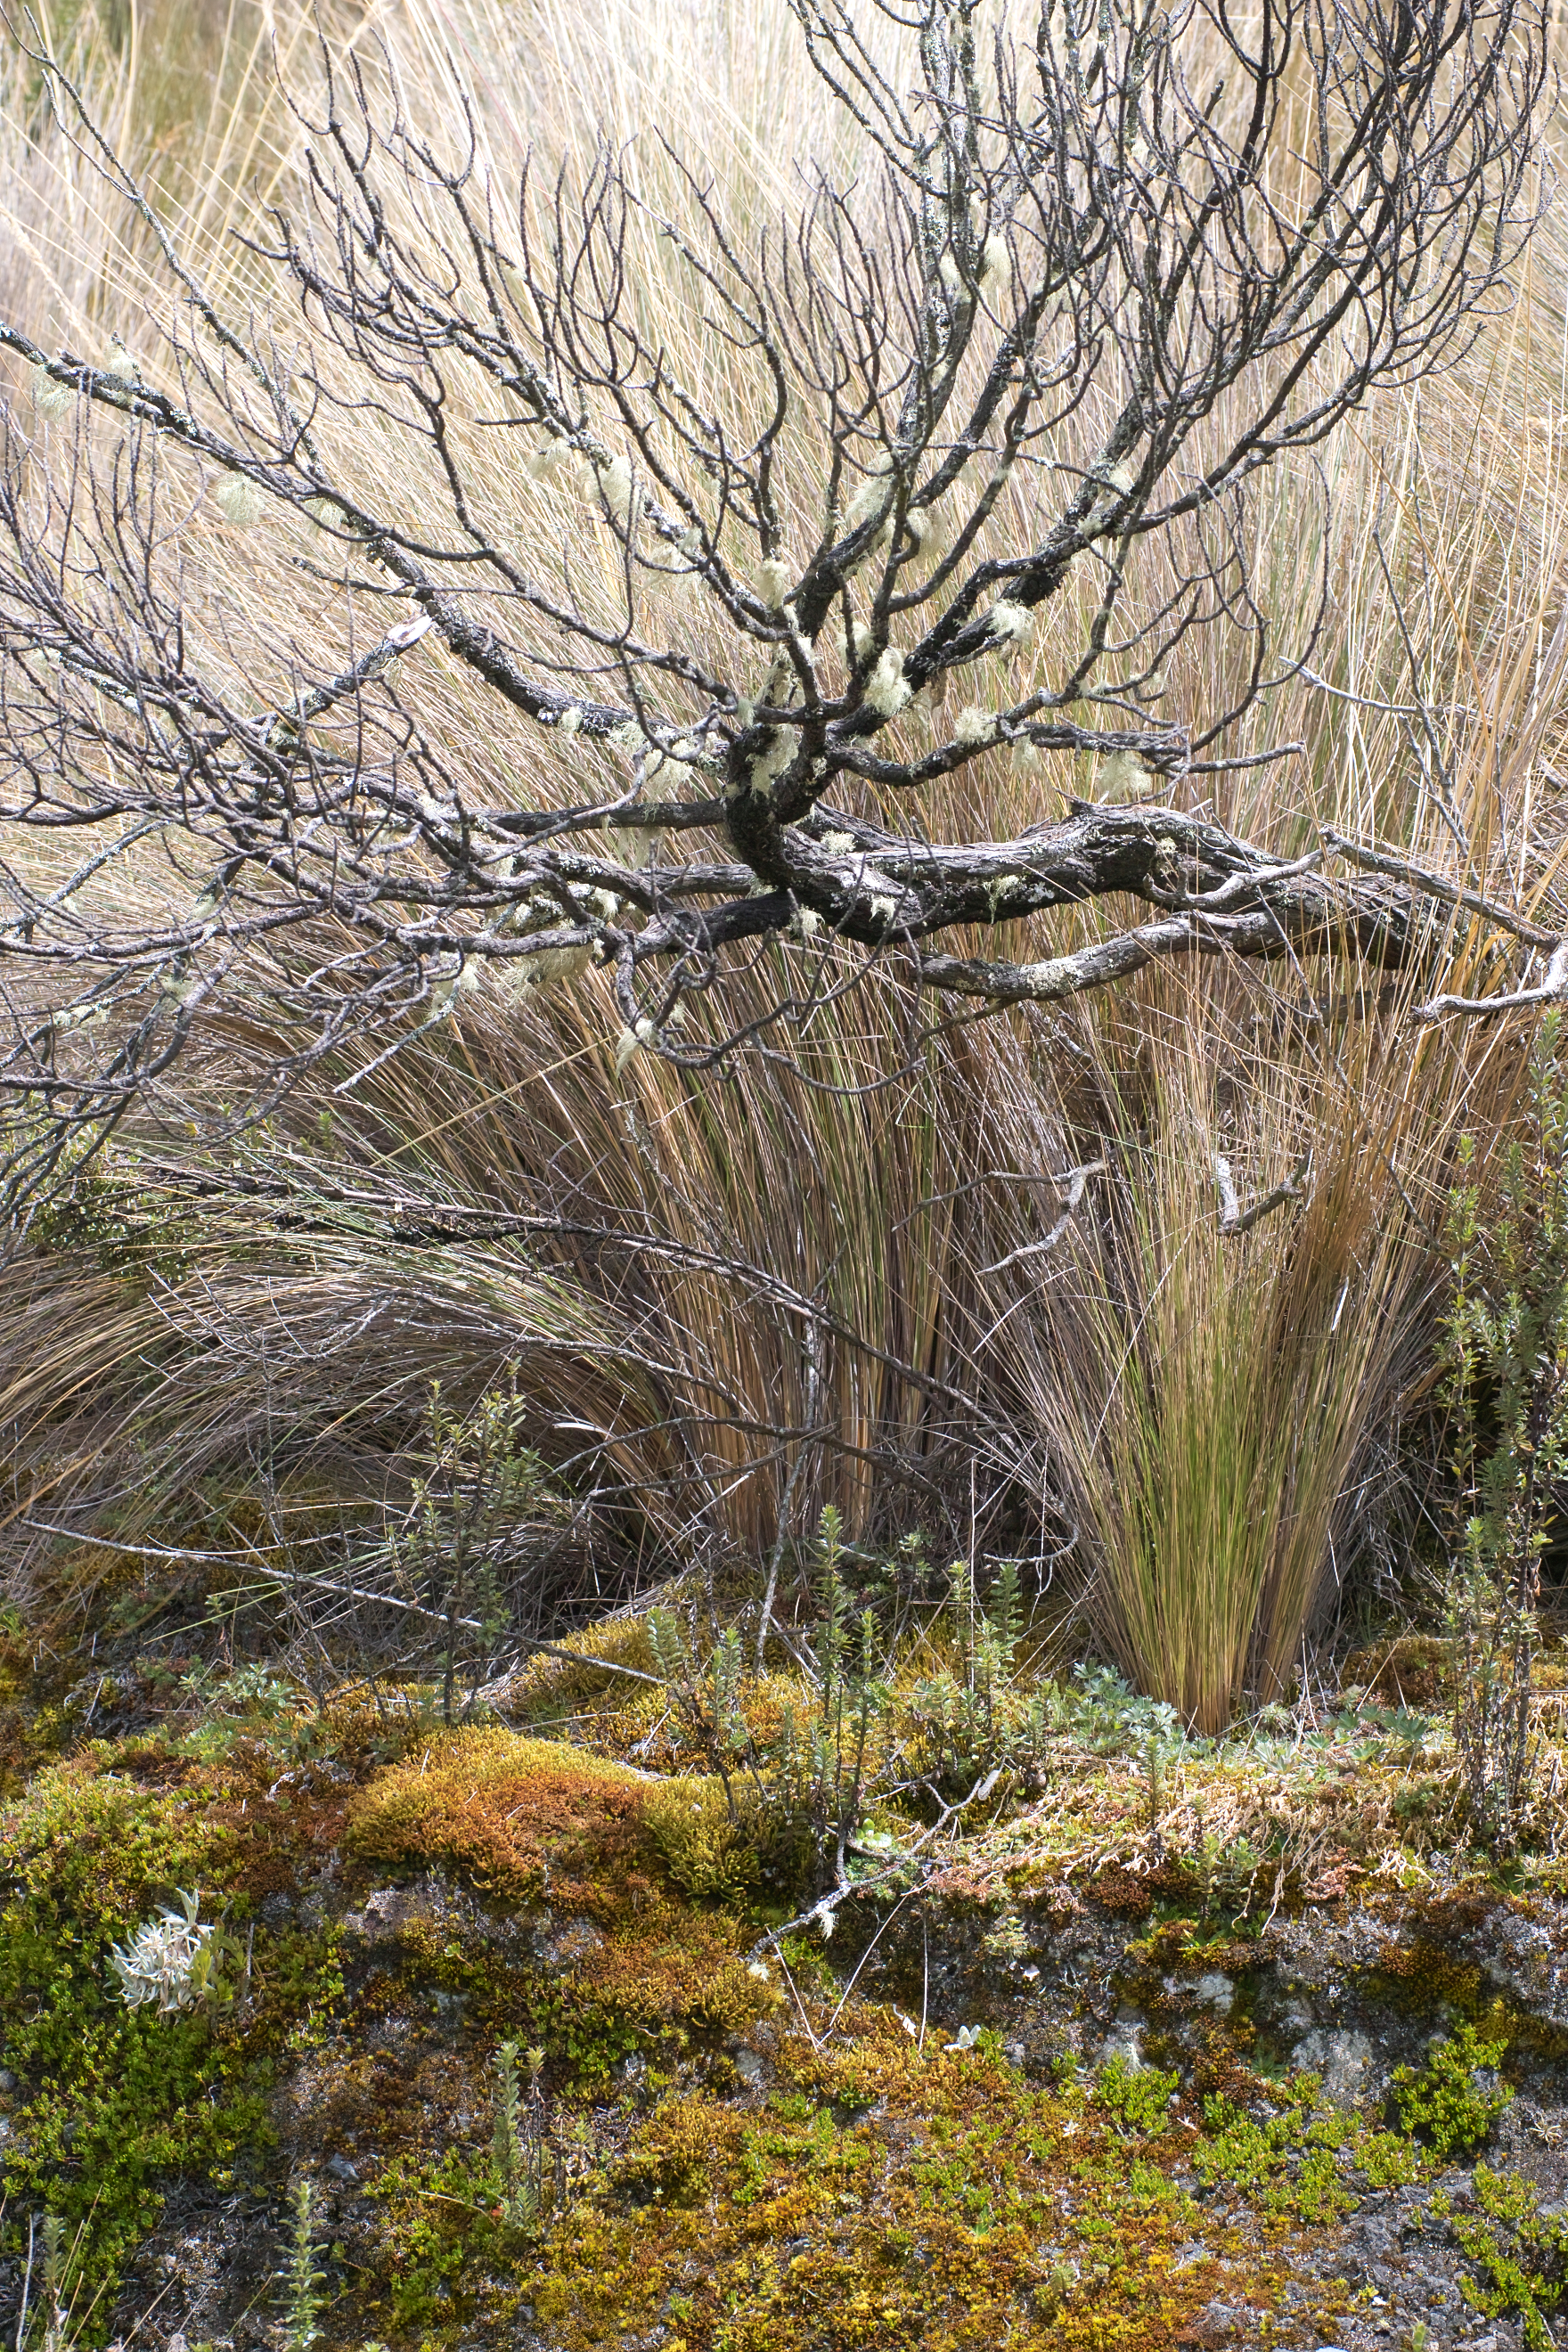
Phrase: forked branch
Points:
(1089, 293)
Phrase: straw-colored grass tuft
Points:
(824, 1277)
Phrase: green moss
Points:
(446, 2234)
(1422, 1975)
(116, 2100)
(886, 2195)
(93, 1845)
(583, 2033)
(1388, 2160)
(524, 1818)
(1139, 2097)
(536, 1820)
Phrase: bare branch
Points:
(1072, 1185)
(1553, 990)
(1069, 304)
(1377, 861)
(1234, 1218)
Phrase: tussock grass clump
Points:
(1222, 1390)
(828, 1280)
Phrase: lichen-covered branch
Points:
(1069, 324)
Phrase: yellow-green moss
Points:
(552, 1687)
(706, 1836)
(895, 2199)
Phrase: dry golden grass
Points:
(753, 1296)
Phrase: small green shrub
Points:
(1286, 2159)
(478, 1487)
(130, 1232)
(49, 2315)
(526, 2181)
(798, 1802)
(301, 2277)
(1521, 2254)
(1448, 2104)
(978, 1721)
(822, 1779)
(1139, 2097)
(450, 2219)
(434, 2223)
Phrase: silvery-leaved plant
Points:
(171, 1959)
(1108, 1716)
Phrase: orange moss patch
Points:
(279, 1825)
(525, 1818)
(533, 1821)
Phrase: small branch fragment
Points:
(1553, 990)
(1234, 1218)
(1074, 1180)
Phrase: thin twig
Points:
(1075, 1180)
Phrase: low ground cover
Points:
(555, 2049)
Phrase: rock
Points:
(572, 1941)
(1215, 1991)
(1125, 2041)
(384, 1911)
(1343, 2058)
(1526, 1956)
